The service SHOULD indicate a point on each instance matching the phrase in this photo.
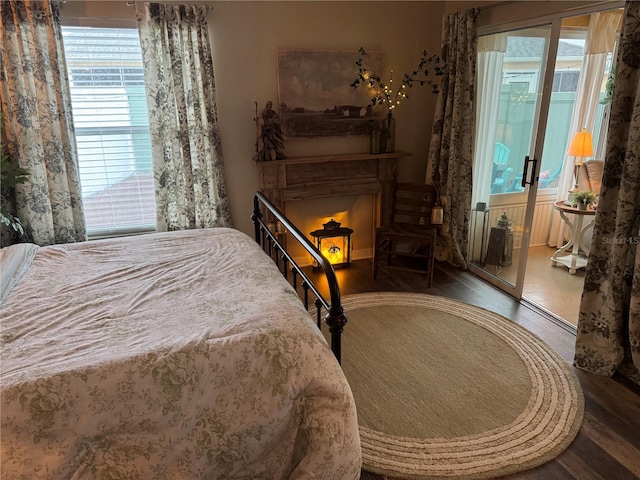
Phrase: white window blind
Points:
(112, 128)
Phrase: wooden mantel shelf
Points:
(302, 178)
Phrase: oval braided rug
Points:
(445, 389)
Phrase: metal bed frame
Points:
(335, 318)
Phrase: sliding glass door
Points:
(537, 87)
(514, 77)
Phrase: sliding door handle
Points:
(525, 170)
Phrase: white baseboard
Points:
(361, 254)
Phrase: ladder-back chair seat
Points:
(407, 242)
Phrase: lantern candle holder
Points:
(334, 242)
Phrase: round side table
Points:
(569, 253)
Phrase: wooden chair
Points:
(407, 241)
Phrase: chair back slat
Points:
(413, 203)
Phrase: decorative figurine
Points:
(270, 137)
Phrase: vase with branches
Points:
(390, 96)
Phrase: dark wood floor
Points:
(608, 444)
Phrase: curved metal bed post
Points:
(335, 317)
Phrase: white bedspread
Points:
(180, 355)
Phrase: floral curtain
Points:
(452, 138)
(186, 150)
(608, 337)
(36, 106)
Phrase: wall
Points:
(245, 37)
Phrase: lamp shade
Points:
(581, 145)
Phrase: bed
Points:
(181, 355)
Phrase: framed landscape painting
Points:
(315, 94)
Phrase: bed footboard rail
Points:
(268, 240)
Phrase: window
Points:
(112, 129)
(565, 81)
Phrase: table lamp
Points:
(581, 146)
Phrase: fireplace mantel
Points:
(323, 176)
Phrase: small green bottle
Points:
(374, 139)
